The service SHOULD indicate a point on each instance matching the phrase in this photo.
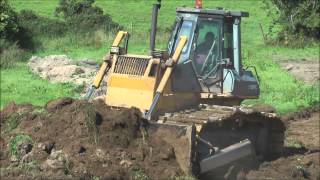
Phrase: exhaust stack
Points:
(153, 32)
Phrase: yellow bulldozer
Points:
(191, 92)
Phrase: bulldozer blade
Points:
(181, 138)
(227, 155)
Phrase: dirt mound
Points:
(293, 167)
(60, 68)
(304, 133)
(70, 139)
(301, 158)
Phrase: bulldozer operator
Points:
(205, 49)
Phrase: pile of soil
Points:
(70, 139)
(301, 157)
(292, 167)
(60, 68)
(75, 139)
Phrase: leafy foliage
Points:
(84, 17)
(37, 25)
(299, 20)
(8, 24)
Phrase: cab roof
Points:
(218, 11)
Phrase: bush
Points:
(36, 25)
(82, 16)
(10, 54)
(299, 21)
(11, 31)
(8, 24)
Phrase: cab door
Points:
(206, 50)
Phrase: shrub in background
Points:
(298, 20)
(83, 23)
(83, 16)
(10, 54)
(41, 26)
(9, 23)
(10, 34)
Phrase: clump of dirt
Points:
(13, 108)
(71, 138)
(60, 68)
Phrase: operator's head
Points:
(209, 37)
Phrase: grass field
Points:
(278, 88)
(22, 86)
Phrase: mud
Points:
(74, 139)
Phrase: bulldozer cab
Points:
(211, 60)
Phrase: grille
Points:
(131, 65)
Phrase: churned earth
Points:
(72, 139)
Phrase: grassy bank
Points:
(22, 86)
(278, 88)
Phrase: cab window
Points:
(185, 30)
(207, 45)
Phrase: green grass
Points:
(278, 88)
(16, 141)
(22, 86)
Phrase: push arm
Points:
(166, 76)
(105, 66)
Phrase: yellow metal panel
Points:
(125, 97)
(130, 91)
(131, 82)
